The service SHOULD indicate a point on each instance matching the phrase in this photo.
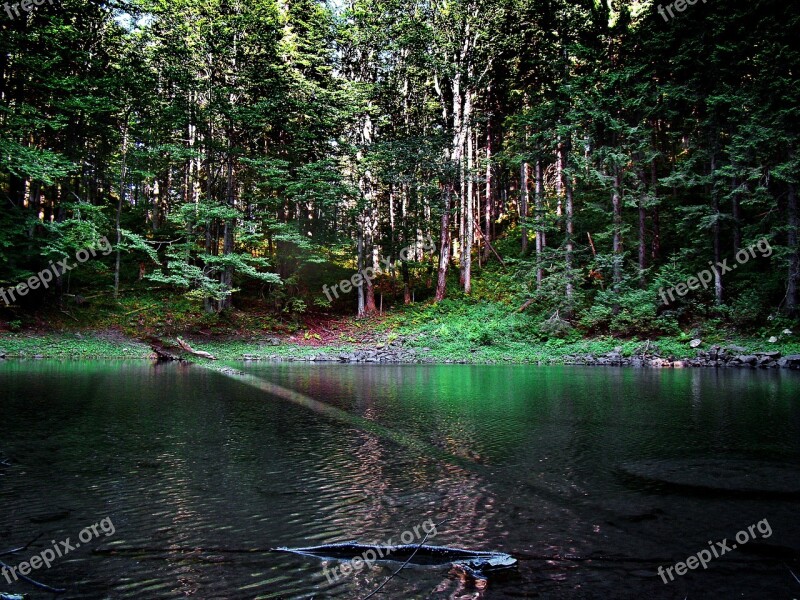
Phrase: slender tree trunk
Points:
(444, 245)
(489, 204)
(616, 209)
(559, 181)
(642, 231)
(406, 282)
(360, 261)
(737, 216)
(538, 207)
(523, 205)
(226, 277)
(794, 254)
(570, 225)
(469, 217)
(371, 255)
(122, 174)
(656, 244)
(209, 241)
(718, 287)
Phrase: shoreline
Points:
(411, 349)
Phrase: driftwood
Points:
(191, 350)
(478, 563)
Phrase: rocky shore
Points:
(715, 356)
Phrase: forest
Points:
(565, 162)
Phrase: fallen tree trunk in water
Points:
(478, 563)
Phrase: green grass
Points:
(69, 345)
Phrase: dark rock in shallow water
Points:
(734, 477)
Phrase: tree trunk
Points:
(538, 204)
(737, 216)
(794, 255)
(469, 217)
(616, 209)
(642, 231)
(570, 225)
(360, 263)
(121, 199)
(523, 205)
(718, 288)
(487, 236)
(226, 278)
(656, 245)
(406, 282)
(444, 245)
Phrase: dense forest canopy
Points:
(601, 151)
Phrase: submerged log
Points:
(478, 563)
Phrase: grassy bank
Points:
(447, 332)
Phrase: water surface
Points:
(202, 474)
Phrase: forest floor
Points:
(452, 331)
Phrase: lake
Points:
(592, 478)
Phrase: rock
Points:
(695, 343)
(772, 340)
(736, 349)
(790, 362)
(747, 360)
(769, 354)
(787, 332)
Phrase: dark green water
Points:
(201, 474)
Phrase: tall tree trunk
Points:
(406, 282)
(371, 256)
(570, 224)
(208, 305)
(360, 262)
(616, 209)
(489, 204)
(642, 231)
(122, 173)
(538, 200)
(794, 253)
(716, 232)
(444, 245)
(469, 217)
(737, 216)
(656, 245)
(523, 205)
